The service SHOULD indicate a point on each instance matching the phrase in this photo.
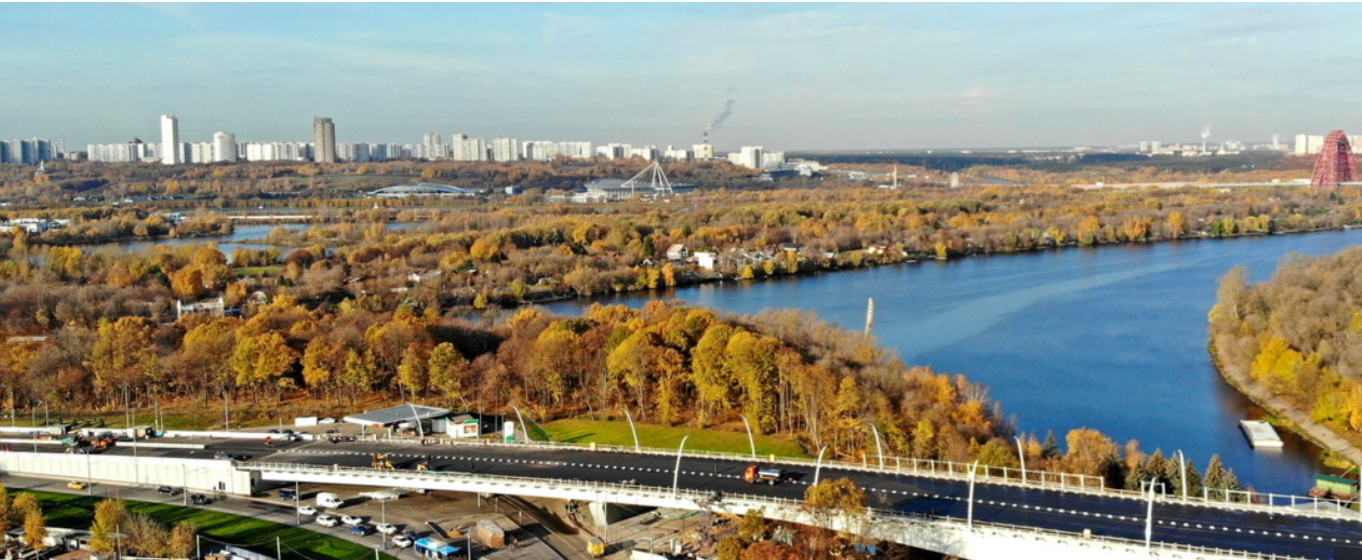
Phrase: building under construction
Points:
(648, 184)
(1335, 163)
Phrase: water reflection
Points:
(1111, 338)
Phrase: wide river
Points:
(1112, 338)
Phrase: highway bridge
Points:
(946, 510)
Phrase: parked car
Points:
(387, 528)
(402, 541)
(352, 520)
(362, 529)
(307, 510)
(327, 520)
(200, 500)
(77, 485)
(170, 490)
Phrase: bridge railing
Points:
(1225, 499)
(707, 499)
(892, 465)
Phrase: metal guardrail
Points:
(1044, 480)
(893, 465)
(703, 499)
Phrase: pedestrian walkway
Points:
(1300, 421)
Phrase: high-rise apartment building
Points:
(171, 154)
(703, 151)
(749, 156)
(323, 140)
(224, 146)
(505, 149)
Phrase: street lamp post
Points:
(818, 467)
(523, 429)
(878, 447)
(676, 476)
(1149, 519)
(632, 430)
(750, 440)
(969, 512)
(297, 499)
(1182, 464)
(420, 431)
(1021, 454)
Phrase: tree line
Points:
(1299, 335)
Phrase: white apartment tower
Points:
(505, 149)
(170, 140)
(224, 146)
(323, 140)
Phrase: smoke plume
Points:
(722, 116)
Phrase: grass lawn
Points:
(652, 435)
(77, 511)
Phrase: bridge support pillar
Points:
(605, 513)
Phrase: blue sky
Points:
(802, 76)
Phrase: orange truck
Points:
(755, 474)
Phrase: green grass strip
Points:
(77, 512)
(652, 435)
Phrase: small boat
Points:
(1260, 434)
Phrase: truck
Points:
(755, 474)
(489, 534)
(329, 500)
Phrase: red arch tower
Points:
(1335, 162)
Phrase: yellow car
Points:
(76, 485)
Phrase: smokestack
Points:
(706, 137)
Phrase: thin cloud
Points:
(183, 11)
(973, 96)
(565, 26)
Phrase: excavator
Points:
(381, 461)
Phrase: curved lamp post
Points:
(750, 440)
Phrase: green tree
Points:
(35, 529)
(752, 360)
(182, 540)
(412, 372)
(709, 373)
(753, 526)
(448, 372)
(124, 354)
(109, 516)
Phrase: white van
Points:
(329, 500)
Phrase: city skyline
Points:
(801, 77)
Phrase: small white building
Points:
(677, 252)
(706, 259)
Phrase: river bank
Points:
(1287, 416)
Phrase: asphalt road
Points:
(1282, 533)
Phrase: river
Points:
(1111, 338)
(239, 238)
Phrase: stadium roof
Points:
(402, 413)
(423, 189)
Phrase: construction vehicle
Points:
(755, 474)
(381, 461)
(75, 444)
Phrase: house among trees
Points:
(215, 308)
(706, 259)
(677, 252)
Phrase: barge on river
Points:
(1260, 434)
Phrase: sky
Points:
(799, 76)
